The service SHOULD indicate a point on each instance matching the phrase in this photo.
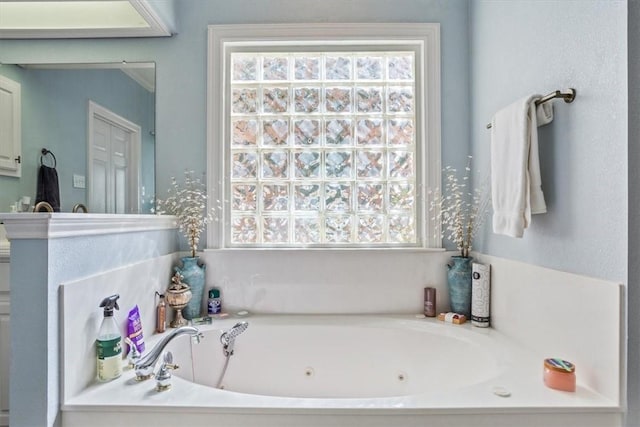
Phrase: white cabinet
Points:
(10, 131)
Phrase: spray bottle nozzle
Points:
(109, 303)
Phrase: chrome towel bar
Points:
(568, 98)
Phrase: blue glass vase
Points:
(459, 283)
(193, 275)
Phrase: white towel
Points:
(544, 113)
(516, 189)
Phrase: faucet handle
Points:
(134, 355)
(168, 361)
(163, 377)
(197, 337)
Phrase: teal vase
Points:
(193, 275)
(459, 283)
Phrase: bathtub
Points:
(345, 371)
(344, 358)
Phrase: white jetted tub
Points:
(344, 370)
(345, 357)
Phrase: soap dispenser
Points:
(109, 342)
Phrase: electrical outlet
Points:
(78, 181)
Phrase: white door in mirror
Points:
(113, 159)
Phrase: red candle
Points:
(559, 374)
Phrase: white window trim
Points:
(426, 34)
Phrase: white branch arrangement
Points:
(461, 210)
(188, 202)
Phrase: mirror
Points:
(98, 120)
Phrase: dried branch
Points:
(188, 202)
(460, 210)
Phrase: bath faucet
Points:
(80, 207)
(43, 205)
(145, 365)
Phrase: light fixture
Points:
(78, 19)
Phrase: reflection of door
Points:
(113, 158)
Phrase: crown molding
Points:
(63, 225)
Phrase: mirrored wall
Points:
(92, 158)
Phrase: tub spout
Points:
(145, 365)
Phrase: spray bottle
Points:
(109, 342)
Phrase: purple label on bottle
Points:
(214, 306)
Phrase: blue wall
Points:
(188, 62)
(531, 46)
(34, 375)
(54, 116)
(182, 71)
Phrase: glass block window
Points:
(322, 149)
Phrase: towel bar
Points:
(568, 98)
(43, 153)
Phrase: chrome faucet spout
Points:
(43, 205)
(80, 207)
(145, 365)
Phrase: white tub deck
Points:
(519, 371)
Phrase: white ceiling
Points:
(77, 19)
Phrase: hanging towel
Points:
(48, 190)
(516, 189)
(544, 113)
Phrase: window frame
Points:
(422, 37)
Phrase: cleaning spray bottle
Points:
(109, 342)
